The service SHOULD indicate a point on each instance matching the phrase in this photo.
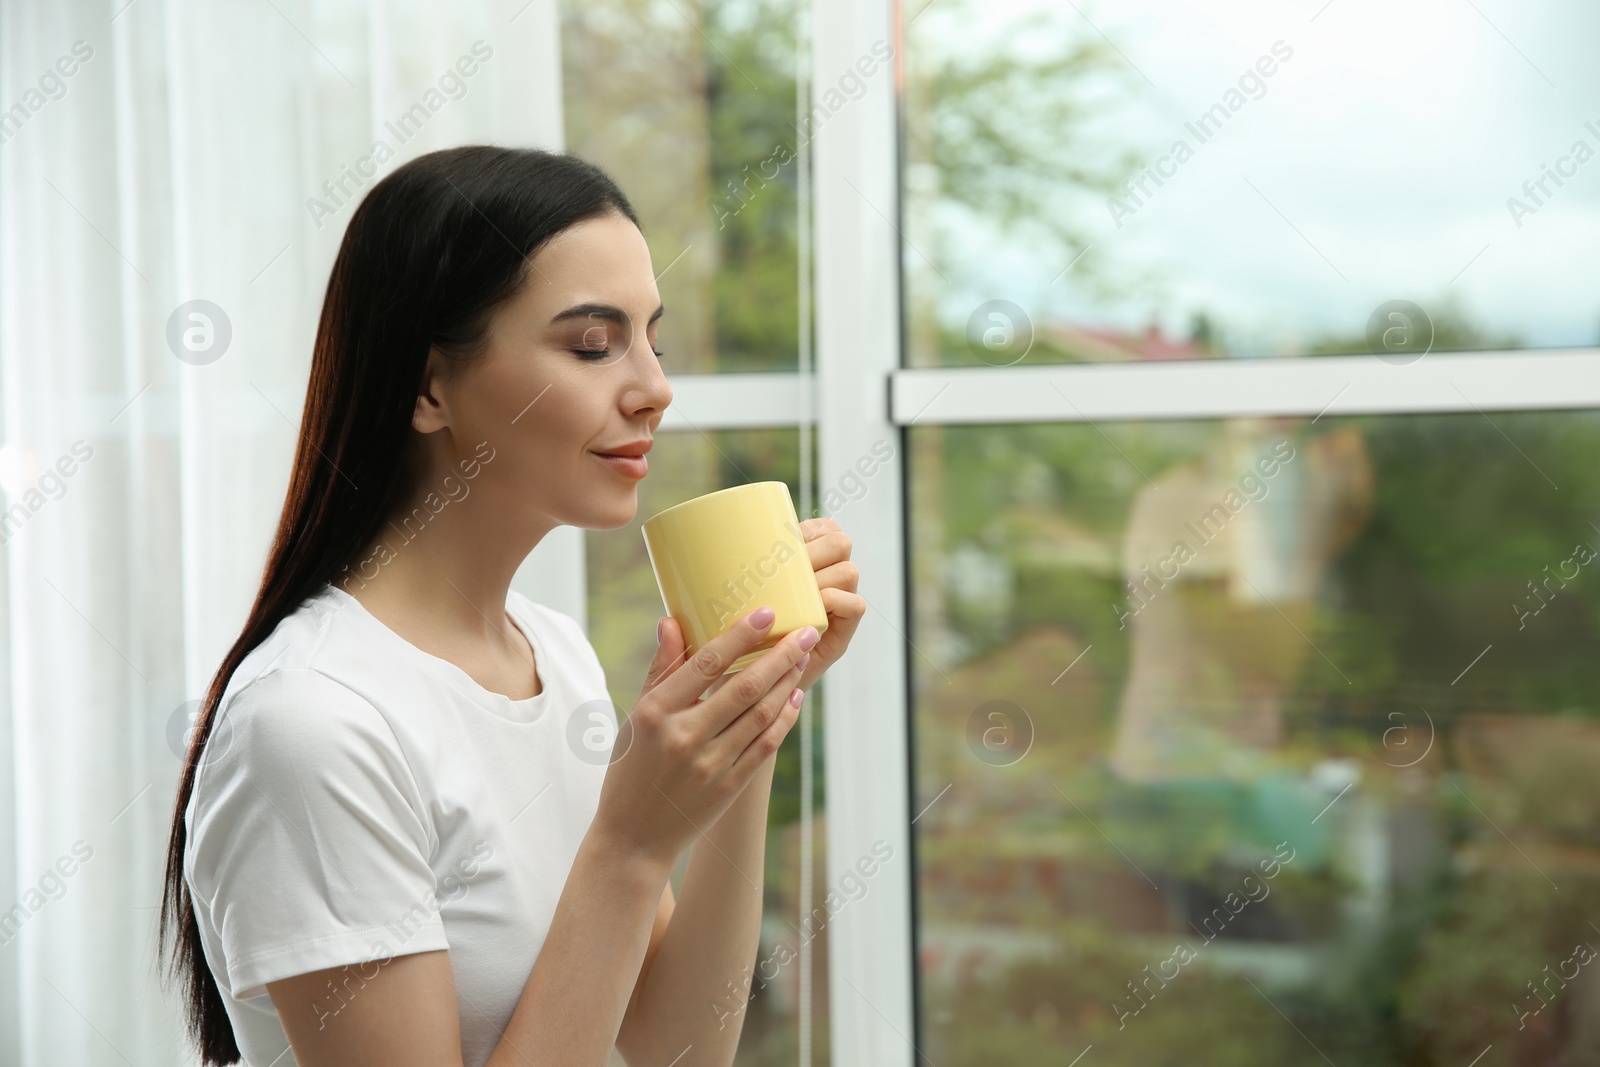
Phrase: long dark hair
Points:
(430, 253)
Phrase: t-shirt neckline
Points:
(525, 710)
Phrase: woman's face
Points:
(570, 372)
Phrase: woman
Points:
(394, 841)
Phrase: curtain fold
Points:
(174, 180)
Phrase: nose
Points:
(647, 388)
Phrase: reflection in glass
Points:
(624, 604)
(1267, 740)
(1168, 179)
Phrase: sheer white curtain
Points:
(155, 153)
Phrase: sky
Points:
(1376, 166)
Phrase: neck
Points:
(444, 561)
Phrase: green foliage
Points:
(1460, 519)
(1453, 331)
(750, 101)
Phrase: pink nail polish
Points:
(796, 697)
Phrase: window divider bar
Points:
(737, 401)
(1317, 386)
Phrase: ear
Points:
(432, 410)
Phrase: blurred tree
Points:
(1000, 117)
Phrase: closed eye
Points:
(589, 355)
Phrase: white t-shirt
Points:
(361, 799)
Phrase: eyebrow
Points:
(607, 312)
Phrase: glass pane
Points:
(691, 108)
(1170, 179)
(1267, 741)
(624, 604)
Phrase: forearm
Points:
(578, 991)
(695, 991)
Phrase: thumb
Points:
(670, 649)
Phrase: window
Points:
(1335, 743)
(1251, 698)
(1177, 181)
(1250, 716)
(691, 108)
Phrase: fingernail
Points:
(805, 659)
(661, 625)
(809, 637)
(796, 697)
(762, 617)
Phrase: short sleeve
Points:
(308, 844)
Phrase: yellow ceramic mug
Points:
(720, 556)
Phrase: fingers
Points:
(841, 575)
(767, 740)
(827, 547)
(682, 685)
(842, 604)
(757, 681)
(716, 685)
(813, 528)
(671, 649)
(762, 713)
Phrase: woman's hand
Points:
(679, 761)
(829, 547)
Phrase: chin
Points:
(617, 517)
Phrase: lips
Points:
(629, 466)
(632, 448)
